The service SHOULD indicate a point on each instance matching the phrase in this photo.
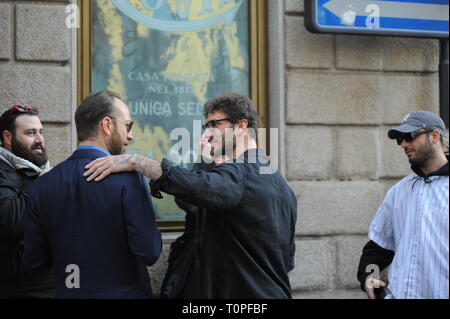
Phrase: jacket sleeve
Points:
(144, 238)
(12, 209)
(373, 254)
(189, 208)
(218, 189)
(36, 248)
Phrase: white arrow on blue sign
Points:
(425, 18)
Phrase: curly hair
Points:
(236, 107)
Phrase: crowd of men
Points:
(86, 228)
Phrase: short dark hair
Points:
(8, 118)
(236, 107)
(91, 111)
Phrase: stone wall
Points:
(343, 92)
(35, 68)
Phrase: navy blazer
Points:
(107, 229)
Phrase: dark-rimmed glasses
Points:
(213, 123)
(408, 137)
(128, 125)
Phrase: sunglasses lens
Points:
(209, 124)
(408, 137)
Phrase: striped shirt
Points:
(413, 222)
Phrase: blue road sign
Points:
(423, 18)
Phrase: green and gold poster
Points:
(166, 58)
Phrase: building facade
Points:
(332, 98)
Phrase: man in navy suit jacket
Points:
(98, 236)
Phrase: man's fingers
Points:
(103, 175)
(94, 168)
(97, 170)
(370, 293)
(94, 174)
(375, 283)
(371, 284)
(97, 162)
(93, 171)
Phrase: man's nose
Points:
(207, 134)
(404, 144)
(39, 138)
(130, 136)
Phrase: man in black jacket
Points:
(22, 159)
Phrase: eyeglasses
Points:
(408, 137)
(128, 125)
(213, 123)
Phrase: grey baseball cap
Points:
(418, 120)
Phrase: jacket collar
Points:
(19, 163)
(253, 155)
(86, 153)
(443, 171)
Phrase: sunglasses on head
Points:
(408, 137)
(24, 109)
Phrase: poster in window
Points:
(166, 58)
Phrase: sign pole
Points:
(443, 81)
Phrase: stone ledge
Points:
(331, 294)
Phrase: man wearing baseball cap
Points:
(410, 230)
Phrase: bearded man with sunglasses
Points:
(23, 158)
(410, 231)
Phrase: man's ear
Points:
(7, 139)
(106, 126)
(243, 123)
(435, 135)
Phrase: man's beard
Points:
(115, 144)
(423, 155)
(18, 149)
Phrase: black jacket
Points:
(14, 283)
(248, 242)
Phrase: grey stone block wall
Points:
(35, 55)
(44, 37)
(343, 93)
(5, 31)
